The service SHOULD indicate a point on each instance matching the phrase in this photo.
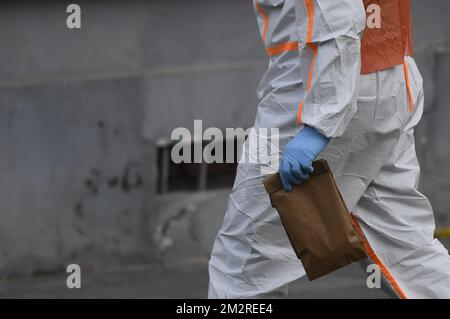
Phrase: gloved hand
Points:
(298, 155)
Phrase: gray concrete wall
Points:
(80, 111)
(432, 50)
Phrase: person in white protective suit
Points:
(358, 91)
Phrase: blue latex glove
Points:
(298, 155)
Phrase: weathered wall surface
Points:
(432, 45)
(80, 111)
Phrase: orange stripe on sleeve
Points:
(310, 80)
(283, 47)
(311, 68)
(299, 113)
(408, 86)
(266, 21)
(371, 253)
(310, 11)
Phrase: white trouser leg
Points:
(398, 224)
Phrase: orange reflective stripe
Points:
(315, 48)
(371, 253)
(282, 48)
(266, 21)
(408, 86)
(299, 113)
(310, 11)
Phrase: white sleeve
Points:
(329, 34)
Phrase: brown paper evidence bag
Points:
(317, 222)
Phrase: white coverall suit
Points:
(371, 120)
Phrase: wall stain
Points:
(131, 178)
(78, 209)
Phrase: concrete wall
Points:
(432, 45)
(80, 111)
